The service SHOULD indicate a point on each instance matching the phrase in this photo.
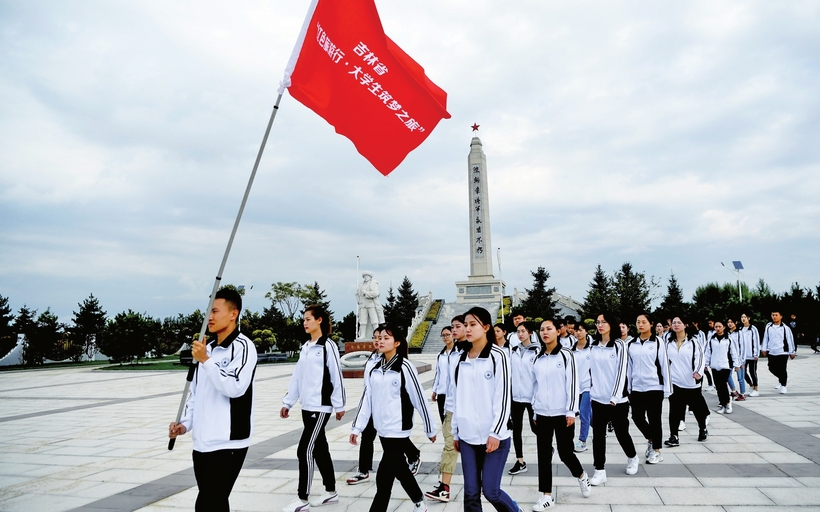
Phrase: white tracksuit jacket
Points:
(392, 393)
(556, 383)
(648, 366)
(483, 395)
(608, 372)
(685, 362)
(219, 408)
(317, 379)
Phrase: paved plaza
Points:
(82, 439)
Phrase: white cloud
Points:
(670, 136)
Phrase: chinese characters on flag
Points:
(348, 71)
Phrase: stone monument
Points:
(371, 312)
(481, 285)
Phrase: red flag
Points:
(346, 69)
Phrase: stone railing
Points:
(424, 307)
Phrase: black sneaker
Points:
(609, 427)
(414, 466)
(703, 434)
(672, 442)
(518, 467)
(440, 493)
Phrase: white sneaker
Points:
(721, 410)
(598, 478)
(691, 412)
(420, 506)
(583, 482)
(632, 465)
(783, 390)
(728, 408)
(648, 449)
(654, 457)
(580, 446)
(682, 425)
(777, 386)
(544, 502)
(297, 505)
(325, 499)
(754, 393)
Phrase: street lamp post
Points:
(738, 266)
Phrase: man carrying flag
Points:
(219, 409)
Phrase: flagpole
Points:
(357, 300)
(218, 279)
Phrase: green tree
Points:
(251, 321)
(714, 301)
(88, 326)
(264, 340)
(601, 295)
(405, 306)
(347, 327)
(673, 302)
(288, 298)
(539, 302)
(8, 338)
(288, 331)
(26, 321)
(313, 294)
(45, 340)
(176, 331)
(390, 307)
(130, 336)
(632, 291)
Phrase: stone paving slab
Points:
(77, 439)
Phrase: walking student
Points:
(583, 363)
(443, 371)
(319, 397)
(609, 397)
(778, 346)
(481, 415)
(369, 433)
(686, 363)
(449, 455)
(393, 392)
(522, 357)
(219, 408)
(722, 357)
(750, 338)
(739, 392)
(649, 384)
(701, 336)
(555, 404)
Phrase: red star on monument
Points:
(475, 127)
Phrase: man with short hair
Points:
(512, 336)
(565, 338)
(778, 346)
(219, 408)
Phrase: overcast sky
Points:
(671, 135)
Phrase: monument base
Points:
(480, 289)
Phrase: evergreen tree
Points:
(130, 336)
(632, 291)
(347, 327)
(8, 338)
(406, 304)
(25, 321)
(601, 296)
(539, 302)
(88, 326)
(313, 294)
(45, 340)
(390, 308)
(673, 302)
(714, 301)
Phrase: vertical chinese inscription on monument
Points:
(478, 237)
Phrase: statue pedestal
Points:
(480, 289)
